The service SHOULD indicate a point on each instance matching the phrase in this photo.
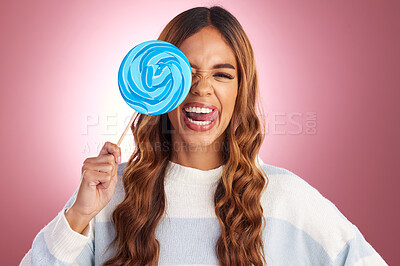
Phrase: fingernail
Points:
(119, 159)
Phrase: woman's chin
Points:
(198, 141)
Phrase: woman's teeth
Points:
(198, 110)
(201, 123)
(201, 116)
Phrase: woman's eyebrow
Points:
(226, 65)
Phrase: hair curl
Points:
(238, 193)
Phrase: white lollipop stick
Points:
(126, 129)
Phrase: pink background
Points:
(329, 75)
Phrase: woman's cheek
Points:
(172, 118)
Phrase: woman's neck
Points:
(202, 158)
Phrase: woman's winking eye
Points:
(223, 75)
(219, 75)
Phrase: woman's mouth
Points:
(199, 118)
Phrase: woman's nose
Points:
(202, 87)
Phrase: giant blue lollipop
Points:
(154, 78)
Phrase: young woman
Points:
(195, 190)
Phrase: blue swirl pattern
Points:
(154, 77)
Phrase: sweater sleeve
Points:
(358, 252)
(58, 244)
(309, 226)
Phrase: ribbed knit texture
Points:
(302, 226)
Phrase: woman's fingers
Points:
(94, 178)
(98, 181)
(105, 158)
(102, 163)
(111, 148)
(101, 167)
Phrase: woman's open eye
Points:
(223, 75)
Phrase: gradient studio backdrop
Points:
(328, 72)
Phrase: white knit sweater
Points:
(302, 226)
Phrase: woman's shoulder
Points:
(289, 199)
(286, 189)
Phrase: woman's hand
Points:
(99, 178)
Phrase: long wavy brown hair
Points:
(238, 193)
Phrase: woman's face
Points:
(204, 115)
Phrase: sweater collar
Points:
(191, 175)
